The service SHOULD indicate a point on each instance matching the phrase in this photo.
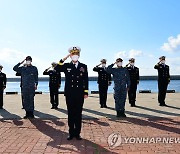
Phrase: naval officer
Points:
(76, 90)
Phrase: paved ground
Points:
(149, 128)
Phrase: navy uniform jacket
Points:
(103, 76)
(29, 76)
(134, 74)
(3, 80)
(120, 76)
(76, 78)
(163, 72)
(55, 78)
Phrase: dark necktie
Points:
(74, 65)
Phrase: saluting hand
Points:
(47, 69)
(159, 62)
(127, 64)
(23, 61)
(98, 65)
(66, 57)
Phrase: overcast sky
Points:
(45, 29)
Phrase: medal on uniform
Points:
(82, 69)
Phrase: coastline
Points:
(94, 78)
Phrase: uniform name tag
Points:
(68, 69)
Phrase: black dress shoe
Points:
(118, 114)
(55, 107)
(123, 115)
(52, 107)
(133, 105)
(165, 105)
(69, 138)
(25, 117)
(78, 138)
(102, 106)
(28, 117)
(105, 106)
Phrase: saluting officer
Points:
(54, 85)
(134, 77)
(76, 89)
(163, 80)
(3, 81)
(29, 75)
(121, 86)
(104, 80)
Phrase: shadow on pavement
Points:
(96, 120)
(144, 120)
(173, 107)
(6, 116)
(154, 124)
(58, 139)
(158, 111)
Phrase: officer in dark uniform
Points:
(104, 80)
(54, 85)
(134, 77)
(29, 75)
(76, 89)
(3, 81)
(163, 80)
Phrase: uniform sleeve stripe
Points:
(60, 63)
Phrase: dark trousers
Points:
(54, 96)
(103, 94)
(1, 98)
(162, 87)
(28, 101)
(132, 93)
(74, 108)
(120, 99)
